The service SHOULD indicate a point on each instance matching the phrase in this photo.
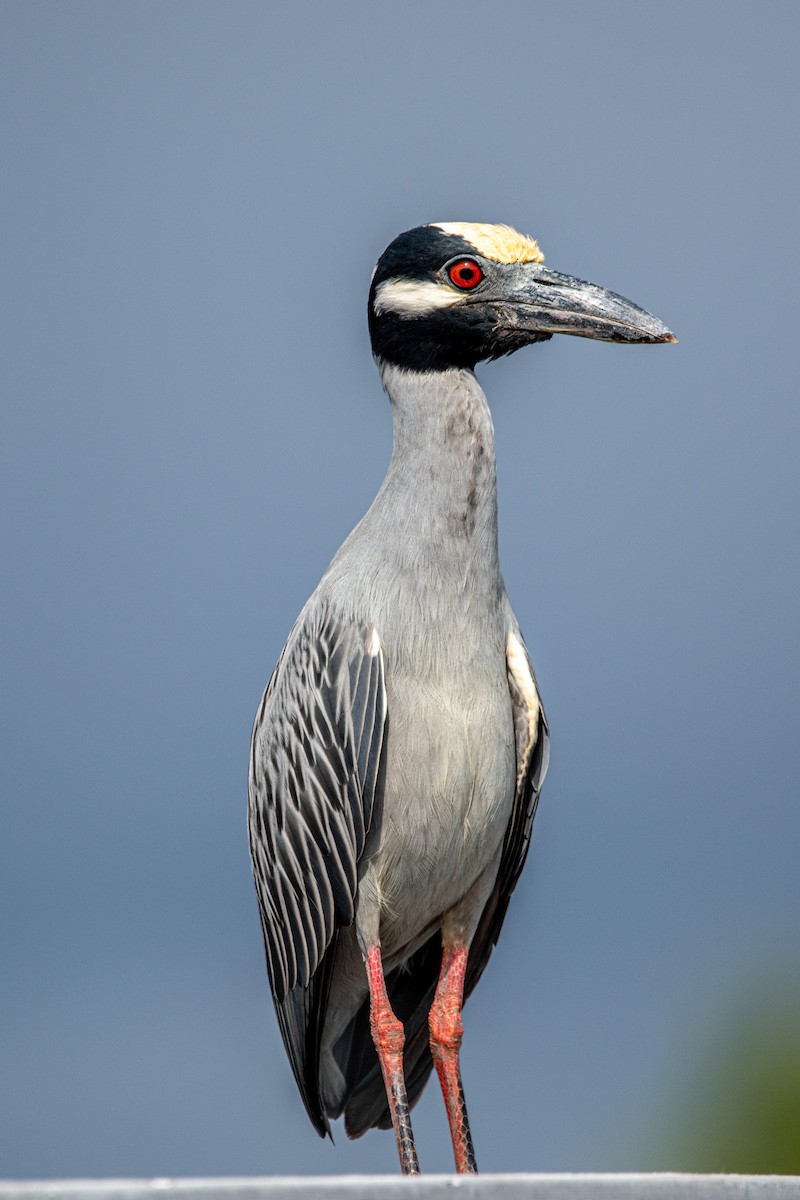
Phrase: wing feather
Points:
(316, 743)
(532, 740)
(314, 768)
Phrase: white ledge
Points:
(435, 1187)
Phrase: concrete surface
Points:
(383, 1187)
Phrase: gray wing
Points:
(314, 765)
(532, 739)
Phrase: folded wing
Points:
(314, 766)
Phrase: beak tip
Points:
(661, 334)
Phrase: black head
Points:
(453, 294)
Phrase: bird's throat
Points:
(441, 483)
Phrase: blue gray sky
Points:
(193, 197)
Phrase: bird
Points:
(400, 746)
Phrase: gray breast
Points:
(448, 767)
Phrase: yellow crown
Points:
(498, 242)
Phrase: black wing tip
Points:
(321, 1124)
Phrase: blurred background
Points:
(193, 197)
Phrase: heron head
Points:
(453, 294)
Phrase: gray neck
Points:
(439, 495)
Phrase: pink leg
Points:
(446, 1030)
(389, 1038)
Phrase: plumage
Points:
(400, 746)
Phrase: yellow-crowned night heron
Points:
(401, 743)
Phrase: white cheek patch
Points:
(410, 297)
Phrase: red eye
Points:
(465, 273)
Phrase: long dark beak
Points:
(545, 302)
